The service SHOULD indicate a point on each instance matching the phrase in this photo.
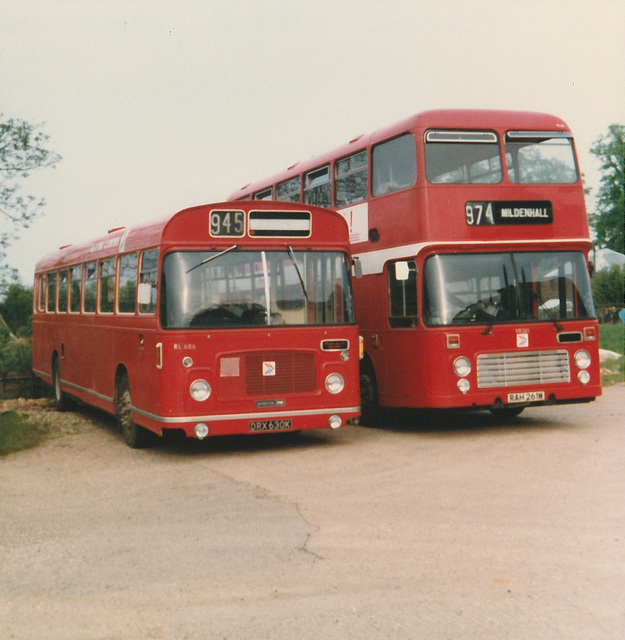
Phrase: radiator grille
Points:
(519, 368)
(294, 373)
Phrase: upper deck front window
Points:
(462, 157)
(540, 157)
(238, 289)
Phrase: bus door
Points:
(397, 364)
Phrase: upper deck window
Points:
(351, 179)
(394, 165)
(540, 157)
(264, 194)
(317, 187)
(289, 190)
(462, 157)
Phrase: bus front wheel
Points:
(60, 399)
(135, 436)
(506, 412)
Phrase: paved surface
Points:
(429, 526)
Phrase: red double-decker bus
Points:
(470, 230)
(222, 319)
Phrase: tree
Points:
(22, 150)
(16, 309)
(609, 220)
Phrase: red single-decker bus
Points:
(222, 319)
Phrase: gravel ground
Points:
(445, 527)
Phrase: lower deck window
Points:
(492, 288)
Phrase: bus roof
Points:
(176, 228)
(499, 120)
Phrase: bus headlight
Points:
(583, 377)
(462, 366)
(200, 390)
(335, 383)
(582, 359)
(463, 385)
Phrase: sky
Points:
(158, 105)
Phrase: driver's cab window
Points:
(402, 292)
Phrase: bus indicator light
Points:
(453, 341)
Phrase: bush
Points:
(607, 287)
(16, 355)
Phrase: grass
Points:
(611, 337)
(17, 432)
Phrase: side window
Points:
(350, 179)
(62, 290)
(41, 292)
(90, 287)
(75, 281)
(317, 187)
(127, 293)
(394, 165)
(51, 291)
(107, 285)
(290, 190)
(265, 194)
(402, 292)
(148, 281)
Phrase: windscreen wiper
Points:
(548, 311)
(211, 258)
(299, 273)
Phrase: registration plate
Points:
(270, 425)
(526, 396)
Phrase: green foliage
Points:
(609, 220)
(16, 309)
(22, 150)
(612, 336)
(16, 355)
(607, 287)
(17, 433)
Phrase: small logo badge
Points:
(269, 368)
(522, 340)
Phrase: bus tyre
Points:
(135, 436)
(60, 399)
(368, 393)
(506, 412)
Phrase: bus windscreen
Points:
(494, 288)
(205, 290)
